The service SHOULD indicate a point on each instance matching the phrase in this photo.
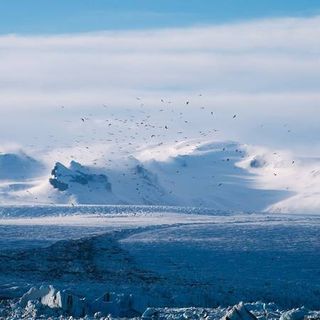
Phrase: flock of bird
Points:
(131, 130)
(124, 132)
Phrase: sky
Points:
(61, 61)
(60, 16)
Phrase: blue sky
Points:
(68, 16)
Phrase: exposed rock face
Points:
(76, 174)
(258, 162)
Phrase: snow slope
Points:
(19, 166)
(219, 175)
(187, 174)
(18, 174)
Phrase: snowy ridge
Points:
(18, 172)
(219, 175)
(19, 166)
(81, 184)
(157, 176)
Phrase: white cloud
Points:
(268, 56)
(263, 70)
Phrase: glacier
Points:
(118, 261)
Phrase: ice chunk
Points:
(48, 296)
(71, 304)
(118, 305)
(149, 313)
(295, 314)
(239, 312)
(35, 294)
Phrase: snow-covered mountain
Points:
(220, 175)
(19, 166)
(18, 174)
